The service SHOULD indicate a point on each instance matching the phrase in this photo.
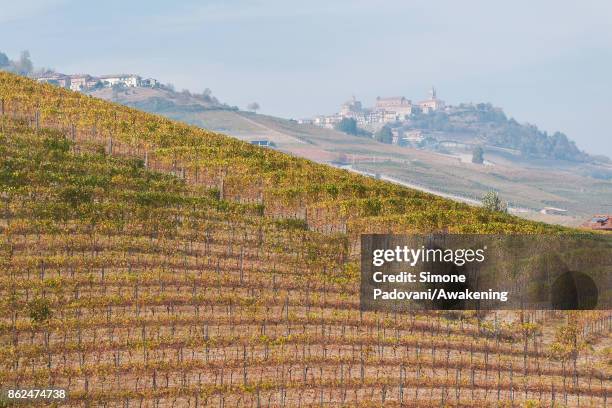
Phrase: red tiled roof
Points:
(599, 222)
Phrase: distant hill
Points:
(152, 97)
(161, 100)
(486, 124)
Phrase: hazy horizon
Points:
(544, 63)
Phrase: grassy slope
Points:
(120, 283)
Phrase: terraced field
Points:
(149, 263)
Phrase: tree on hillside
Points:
(344, 158)
(492, 202)
(4, 60)
(39, 310)
(478, 155)
(253, 107)
(497, 129)
(207, 95)
(347, 125)
(384, 135)
(24, 66)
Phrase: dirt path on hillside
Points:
(273, 133)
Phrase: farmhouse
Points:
(599, 222)
(128, 80)
(149, 83)
(81, 82)
(60, 80)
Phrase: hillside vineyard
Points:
(147, 263)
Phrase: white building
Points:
(327, 121)
(128, 80)
(80, 82)
(413, 136)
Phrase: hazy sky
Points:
(544, 62)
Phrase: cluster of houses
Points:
(386, 110)
(84, 82)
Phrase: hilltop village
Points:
(386, 110)
(85, 82)
(433, 124)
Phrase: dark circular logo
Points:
(574, 291)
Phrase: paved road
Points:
(467, 200)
